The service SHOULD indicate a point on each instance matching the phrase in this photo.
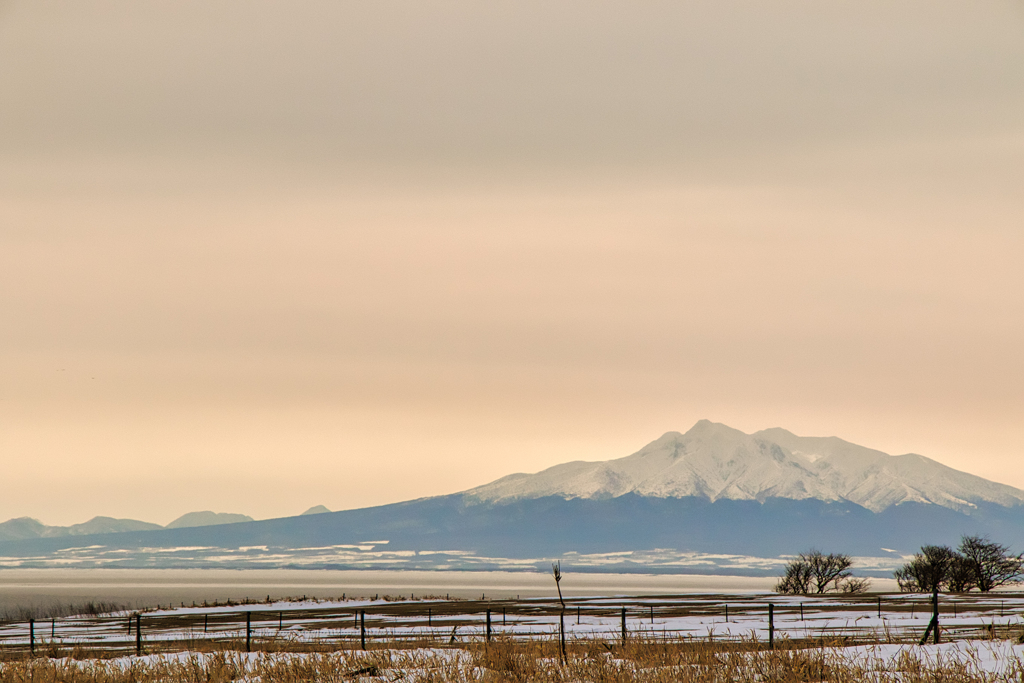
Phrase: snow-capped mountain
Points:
(717, 462)
(674, 506)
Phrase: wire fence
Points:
(332, 625)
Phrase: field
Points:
(671, 637)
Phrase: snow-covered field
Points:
(881, 619)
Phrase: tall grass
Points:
(503, 660)
(60, 610)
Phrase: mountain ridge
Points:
(25, 528)
(715, 461)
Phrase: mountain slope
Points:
(716, 462)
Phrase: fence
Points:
(451, 623)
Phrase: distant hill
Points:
(207, 518)
(27, 527)
(710, 500)
(316, 510)
(22, 528)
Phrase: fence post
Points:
(879, 606)
(577, 614)
(488, 626)
(561, 632)
(362, 629)
(248, 631)
(429, 619)
(623, 624)
(32, 636)
(138, 634)
(771, 626)
(206, 622)
(933, 625)
(53, 629)
(727, 613)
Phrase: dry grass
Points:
(592, 660)
(59, 610)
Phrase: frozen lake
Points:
(143, 587)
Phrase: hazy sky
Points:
(256, 256)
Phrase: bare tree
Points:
(828, 571)
(991, 563)
(556, 571)
(819, 573)
(796, 579)
(961, 577)
(928, 571)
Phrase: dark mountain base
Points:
(551, 527)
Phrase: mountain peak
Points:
(207, 518)
(714, 461)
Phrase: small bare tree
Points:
(854, 585)
(828, 571)
(816, 572)
(991, 563)
(556, 571)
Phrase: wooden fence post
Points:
(362, 629)
(488, 626)
(561, 632)
(248, 631)
(138, 634)
(771, 626)
(933, 625)
(32, 636)
(623, 625)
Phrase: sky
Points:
(257, 256)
